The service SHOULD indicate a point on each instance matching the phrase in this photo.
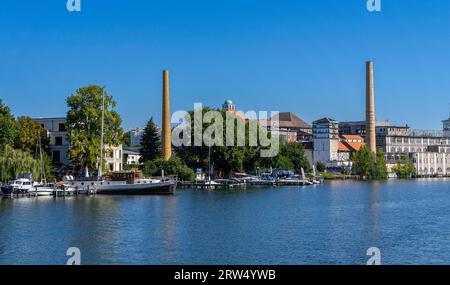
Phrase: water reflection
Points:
(333, 223)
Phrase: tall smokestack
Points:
(166, 139)
(370, 108)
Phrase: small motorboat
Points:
(19, 186)
(43, 190)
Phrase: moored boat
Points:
(21, 185)
(43, 190)
(124, 183)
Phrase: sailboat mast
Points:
(100, 168)
(42, 160)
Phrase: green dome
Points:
(229, 102)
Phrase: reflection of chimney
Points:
(166, 131)
(370, 109)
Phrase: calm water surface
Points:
(334, 223)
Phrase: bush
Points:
(405, 169)
(173, 166)
(320, 166)
(368, 165)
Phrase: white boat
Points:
(19, 186)
(123, 183)
(44, 190)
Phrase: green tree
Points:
(8, 127)
(404, 169)
(173, 166)
(150, 142)
(368, 165)
(381, 171)
(127, 139)
(320, 166)
(14, 162)
(84, 125)
(295, 152)
(28, 131)
(228, 159)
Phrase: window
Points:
(58, 141)
(56, 156)
(62, 127)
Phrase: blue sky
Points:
(304, 56)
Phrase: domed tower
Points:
(229, 106)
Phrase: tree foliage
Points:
(84, 125)
(227, 159)
(28, 131)
(368, 165)
(404, 169)
(320, 166)
(127, 139)
(14, 162)
(8, 127)
(173, 166)
(150, 142)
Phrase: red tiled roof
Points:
(354, 146)
(352, 137)
(343, 147)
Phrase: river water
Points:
(333, 223)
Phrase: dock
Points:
(249, 184)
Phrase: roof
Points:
(343, 147)
(130, 152)
(289, 120)
(352, 137)
(238, 114)
(346, 143)
(325, 121)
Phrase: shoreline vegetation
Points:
(19, 137)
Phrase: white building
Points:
(135, 136)
(325, 141)
(446, 128)
(59, 145)
(432, 163)
(131, 155)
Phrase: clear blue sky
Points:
(304, 56)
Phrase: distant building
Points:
(429, 150)
(347, 145)
(131, 155)
(135, 136)
(229, 106)
(359, 127)
(290, 127)
(325, 141)
(446, 128)
(59, 145)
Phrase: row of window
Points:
(56, 156)
(412, 149)
(424, 171)
(431, 160)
